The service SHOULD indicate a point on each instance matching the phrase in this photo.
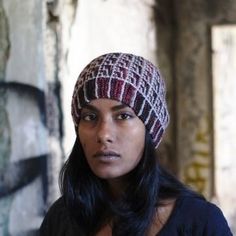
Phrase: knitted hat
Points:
(127, 78)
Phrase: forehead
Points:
(105, 104)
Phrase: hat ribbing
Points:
(127, 78)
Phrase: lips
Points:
(107, 155)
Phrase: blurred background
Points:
(44, 44)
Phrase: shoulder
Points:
(57, 210)
(57, 220)
(199, 207)
(205, 215)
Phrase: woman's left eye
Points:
(124, 116)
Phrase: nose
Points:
(105, 132)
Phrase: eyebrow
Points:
(114, 108)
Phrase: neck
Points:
(116, 188)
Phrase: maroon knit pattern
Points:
(129, 79)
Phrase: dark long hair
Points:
(90, 206)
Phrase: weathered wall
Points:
(192, 68)
(31, 153)
(106, 26)
(165, 20)
(185, 55)
(41, 57)
(224, 87)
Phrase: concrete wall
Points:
(106, 26)
(31, 127)
(43, 47)
(224, 87)
(44, 44)
(185, 55)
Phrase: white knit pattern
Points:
(129, 73)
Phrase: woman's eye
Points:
(88, 117)
(124, 116)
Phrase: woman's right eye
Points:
(88, 116)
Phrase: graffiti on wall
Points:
(30, 117)
(16, 175)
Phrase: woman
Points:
(112, 183)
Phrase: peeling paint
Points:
(5, 139)
(18, 174)
(30, 115)
(196, 170)
(4, 42)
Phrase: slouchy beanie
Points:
(129, 79)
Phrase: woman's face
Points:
(112, 137)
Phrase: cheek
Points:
(86, 148)
(83, 144)
(135, 141)
(139, 135)
(83, 139)
(138, 147)
(87, 141)
(82, 135)
(140, 141)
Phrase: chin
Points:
(107, 175)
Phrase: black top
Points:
(190, 217)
